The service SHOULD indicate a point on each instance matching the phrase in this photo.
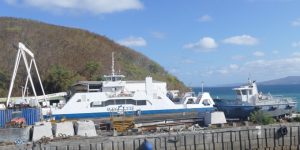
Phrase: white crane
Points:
(22, 51)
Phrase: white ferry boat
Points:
(96, 99)
(99, 99)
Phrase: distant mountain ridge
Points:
(282, 81)
(289, 80)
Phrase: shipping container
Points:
(5, 116)
(31, 115)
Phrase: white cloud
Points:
(91, 6)
(187, 61)
(238, 57)
(286, 66)
(241, 40)
(296, 22)
(133, 41)
(228, 69)
(205, 18)
(223, 71)
(296, 44)
(234, 66)
(258, 54)
(205, 44)
(296, 54)
(263, 68)
(158, 35)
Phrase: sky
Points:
(212, 41)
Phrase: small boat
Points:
(248, 100)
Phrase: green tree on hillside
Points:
(59, 79)
(3, 83)
(92, 69)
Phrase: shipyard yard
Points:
(149, 75)
(119, 114)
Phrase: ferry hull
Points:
(142, 113)
(244, 111)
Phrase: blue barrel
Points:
(147, 145)
(5, 116)
(31, 115)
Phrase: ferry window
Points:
(244, 92)
(141, 102)
(110, 102)
(238, 92)
(120, 101)
(130, 101)
(96, 104)
(190, 101)
(79, 100)
(205, 102)
(250, 92)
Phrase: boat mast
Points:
(202, 86)
(112, 64)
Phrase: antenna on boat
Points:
(249, 78)
(202, 86)
(113, 64)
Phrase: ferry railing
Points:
(131, 94)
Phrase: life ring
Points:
(283, 131)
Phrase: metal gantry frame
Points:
(22, 51)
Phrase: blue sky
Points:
(214, 41)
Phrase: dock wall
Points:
(254, 137)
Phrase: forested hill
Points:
(65, 55)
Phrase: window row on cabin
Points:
(118, 102)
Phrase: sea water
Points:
(292, 91)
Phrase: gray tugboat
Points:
(248, 100)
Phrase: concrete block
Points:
(64, 129)
(217, 117)
(85, 128)
(42, 130)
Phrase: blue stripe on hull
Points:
(107, 114)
